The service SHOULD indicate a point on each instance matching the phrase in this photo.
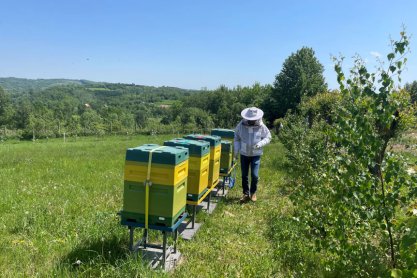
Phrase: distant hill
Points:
(17, 85)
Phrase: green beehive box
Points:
(227, 146)
(166, 203)
(196, 148)
(223, 133)
(226, 163)
(213, 140)
(165, 155)
(226, 157)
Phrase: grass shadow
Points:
(108, 251)
(231, 200)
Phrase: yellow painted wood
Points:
(162, 174)
(214, 171)
(198, 163)
(197, 180)
(215, 152)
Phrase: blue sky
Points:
(193, 44)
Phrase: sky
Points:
(194, 44)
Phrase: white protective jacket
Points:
(246, 137)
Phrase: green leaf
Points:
(399, 64)
(396, 273)
(390, 56)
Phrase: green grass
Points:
(166, 102)
(407, 147)
(98, 89)
(59, 202)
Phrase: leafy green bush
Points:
(350, 191)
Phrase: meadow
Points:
(59, 204)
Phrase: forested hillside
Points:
(19, 85)
(49, 108)
(31, 109)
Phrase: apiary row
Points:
(180, 170)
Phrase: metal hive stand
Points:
(194, 204)
(229, 178)
(143, 242)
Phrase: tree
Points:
(195, 118)
(141, 117)
(74, 125)
(5, 108)
(128, 121)
(301, 75)
(374, 112)
(412, 89)
(352, 192)
(92, 123)
(21, 120)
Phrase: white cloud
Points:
(375, 54)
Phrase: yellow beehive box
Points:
(215, 152)
(199, 163)
(198, 166)
(163, 174)
(198, 180)
(198, 174)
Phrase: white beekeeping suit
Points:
(251, 135)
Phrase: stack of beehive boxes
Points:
(215, 153)
(167, 184)
(226, 158)
(198, 169)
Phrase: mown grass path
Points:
(58, 207)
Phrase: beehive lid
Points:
(195, 147)
(165, 155)
(223, 133)
(212, 139)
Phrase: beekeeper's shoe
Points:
(253, 197)
(244, 199)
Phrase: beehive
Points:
(226, 156)
(168, 179)
(215, 153)
(198, 165)
(226, 135)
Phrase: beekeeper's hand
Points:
(236, 156)
(257, 146)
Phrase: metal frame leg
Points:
(175, 240)
(193, 217)
(208, 202)
(164, 251)
(145, 238)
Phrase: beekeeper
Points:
(251, 135)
